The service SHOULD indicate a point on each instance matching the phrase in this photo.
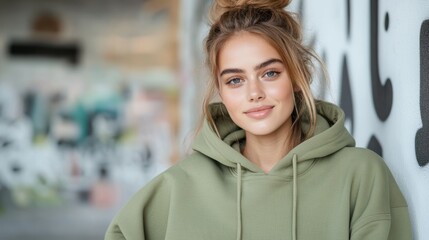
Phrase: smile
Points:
(259, 112)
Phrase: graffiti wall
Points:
(377, 55)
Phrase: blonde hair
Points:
(269, 20)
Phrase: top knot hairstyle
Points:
(221, 6)
(269, 20)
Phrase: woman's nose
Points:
(255, 91)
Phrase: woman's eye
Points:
(234, 81)
(271, 74)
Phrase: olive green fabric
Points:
(341, 192)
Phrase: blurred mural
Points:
(89, 97)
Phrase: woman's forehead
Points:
(246, 49)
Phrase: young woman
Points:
(269, 161)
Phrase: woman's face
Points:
(254, 85)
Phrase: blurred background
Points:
(99, 96)
(90, 99)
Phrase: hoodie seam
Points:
(405, 206)
(257, 176)
(370, 219)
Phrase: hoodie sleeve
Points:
(379, 211)
(400, 225)
(144, 216)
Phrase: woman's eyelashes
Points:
(234, 82)
(238, 81)
(272, 74)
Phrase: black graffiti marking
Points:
(348, 18)
(346, 100)
(382, 95)
(422, 136)
(375, 145)
(386, 22)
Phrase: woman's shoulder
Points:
(358, 159)
(190, 164)
(180, 175)
(359, 152)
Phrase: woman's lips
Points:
(259, 112)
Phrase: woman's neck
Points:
(266, 151)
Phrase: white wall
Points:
(341, 33)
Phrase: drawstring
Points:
(294, 201)
(238, 201)
(294, 198)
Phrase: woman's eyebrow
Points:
(268, 62)
(231, 70)
(259, 66)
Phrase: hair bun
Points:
(221, 6)
(275, 4)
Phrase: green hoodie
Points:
(324, 188)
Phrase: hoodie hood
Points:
(330, 136)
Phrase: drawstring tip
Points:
(238, 201)
(294, 160)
